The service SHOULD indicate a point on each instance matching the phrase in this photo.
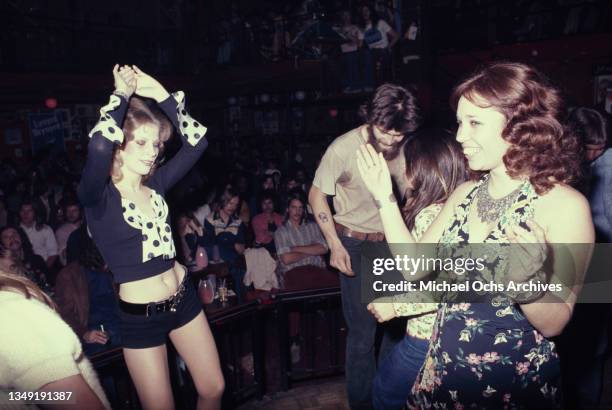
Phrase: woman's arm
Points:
(82, 395)
(375, 174)
(103, 137)
(552, 312)
(191, 131)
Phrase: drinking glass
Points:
(206, 291)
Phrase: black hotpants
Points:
(140, 331)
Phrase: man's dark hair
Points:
(392, 108)
(69, 201)
(267, 194)
(297, 194)
(39, 211)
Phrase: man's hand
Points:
(341, 260)
(147, 86)
(95, 336)
(125, 80)
(382, 309)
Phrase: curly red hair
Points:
(540, 148)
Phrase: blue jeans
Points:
(360, 366)
(397, 373)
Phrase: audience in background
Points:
(299, 242)
(266, 223)
(40, 234)
(87, 300)
(19, 258)
(72, 215)
(589, 326)
(378, 38)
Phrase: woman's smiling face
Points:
(140, 153)
(479, 132)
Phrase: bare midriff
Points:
(154, 289)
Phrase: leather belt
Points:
(152, 308)
(362, 236)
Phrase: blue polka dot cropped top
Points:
(135, 245)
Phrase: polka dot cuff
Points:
(190, 129)
(107, 125)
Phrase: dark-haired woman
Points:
(19, 253)
(497, 353)
(435, 166)
(378, 40)
(87, 301)
(123, 195)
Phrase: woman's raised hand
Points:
(125, 80)
(374, 172)
(147, 86)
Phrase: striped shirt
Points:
(288, 236)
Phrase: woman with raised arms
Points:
(123, 195)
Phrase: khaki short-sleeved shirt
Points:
(337, 175)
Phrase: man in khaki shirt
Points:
(389, 117)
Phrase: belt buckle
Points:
(176, 299)
(152, 308)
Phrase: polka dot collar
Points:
(156, 232)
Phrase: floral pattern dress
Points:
(487, 355)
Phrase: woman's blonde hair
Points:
(23, 285)
(140, 113)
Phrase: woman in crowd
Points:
(194, 252)
(129, 221)
(497, 353)
(39, 352)
(435, 167)
(378, 39)
(87, 301)
(18, 250)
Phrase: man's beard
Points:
(388, 153)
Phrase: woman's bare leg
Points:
(149, 371)
(195, 343)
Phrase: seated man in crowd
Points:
(87, 301)
(266, 223)
(224, 229)
(41, 236)
(72, 214)
(300, 246)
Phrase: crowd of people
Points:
(106, 259)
